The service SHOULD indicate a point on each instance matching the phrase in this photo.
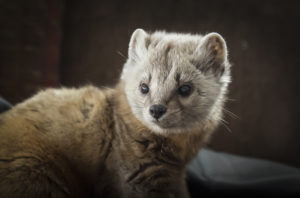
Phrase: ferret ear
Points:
(211, 54)
(137, 45)
(137, 50)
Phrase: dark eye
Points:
(184, 90)
(144, 88)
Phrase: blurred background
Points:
(53, 43)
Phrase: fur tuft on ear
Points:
(137, 45)
(211, 54)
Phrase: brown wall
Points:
(30, 35)
(263, 41)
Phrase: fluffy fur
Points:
(89, 142)
(166, 61)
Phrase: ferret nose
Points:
(157, 111)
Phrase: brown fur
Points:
(63, 145)
(89, 142)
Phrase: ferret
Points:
(134, 140)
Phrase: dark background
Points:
(46, 43)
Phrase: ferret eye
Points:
(185, 90)
(144, 88)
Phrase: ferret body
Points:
(133, 140)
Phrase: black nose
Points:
(157, 111)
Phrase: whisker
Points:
(224, 121)
(231, 99)
(225, 125)
(231, 114)
(122, 55)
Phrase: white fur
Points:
(156, 59)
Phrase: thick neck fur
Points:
(182, 146)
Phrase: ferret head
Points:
(176, 82)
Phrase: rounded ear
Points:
(137, 45)
(136, 52)
(211, 54)
(215, 46)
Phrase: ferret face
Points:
(175, 82)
